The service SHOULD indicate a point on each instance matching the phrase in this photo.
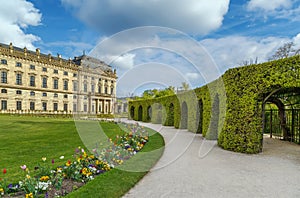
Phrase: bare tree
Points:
(185, 86)
(285, 51)
(249, 62)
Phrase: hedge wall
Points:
(231, 105)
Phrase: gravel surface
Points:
(194, 167)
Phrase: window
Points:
(105, 80)
(44, 106)
(111, 90)
(85, 77)
(3, 61)
(75, 86)
(55, 71)
(93, 78)
(85, 97)
(74, 75)
(55, 83)
(74, 107)
(105, 91)
(55, 106)
(32, 93)
(112, 82)
(65, 96)
(100, 79)
(85, 108)
(44, 69)
(93, 88)
(44, 94)
(19, 79)
(66, 107)
(32, 81)
(18, 92)
(3, 104)
(65, 73)
(32, 106)
(85, 87)
(3, 77)
(66, 83)
(3, 90)
(74, 97)
(99, 89)
(32, 67)
(19, 105)
(18, 64)
(55, 95)
(44, 82)
(93, 108)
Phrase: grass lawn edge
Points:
(117, 182)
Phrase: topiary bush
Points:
(235, 118)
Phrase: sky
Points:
(155, 43)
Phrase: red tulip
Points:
(4, 171)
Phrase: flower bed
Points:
(42, 181)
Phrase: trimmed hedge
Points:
(231, 105)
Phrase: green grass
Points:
(25, 140)
(118, 181)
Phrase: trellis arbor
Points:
(258, 98)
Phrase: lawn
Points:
(25, 140)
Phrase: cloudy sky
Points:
(155, 43)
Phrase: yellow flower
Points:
(92, 157)
(68, 163)
(44, 178)
(30, 195)
(1, 190)
(85, 155)
(86, 172)
(28, 176)
(44, 159)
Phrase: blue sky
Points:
(206, 37)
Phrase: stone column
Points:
(103, 107)
(97, 100)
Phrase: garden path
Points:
(194, 167)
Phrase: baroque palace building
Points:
(32, 82)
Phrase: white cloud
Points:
(124, 62)
(233, 51)
(111, 16)
(268, 5)
(296, 41)
(192, 76)
(15, 16)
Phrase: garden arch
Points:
(149, 113)
(170, 115)
(132, 112)
(200, 116)
(237, 117)
(214, 123)
(140, 113)
(184, 116)
(281, 114)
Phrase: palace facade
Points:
(32, 82)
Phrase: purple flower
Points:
(10, 186)
(52, 161)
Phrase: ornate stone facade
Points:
(32, 82)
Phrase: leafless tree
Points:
(285, 51)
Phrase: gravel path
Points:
(194, 167)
